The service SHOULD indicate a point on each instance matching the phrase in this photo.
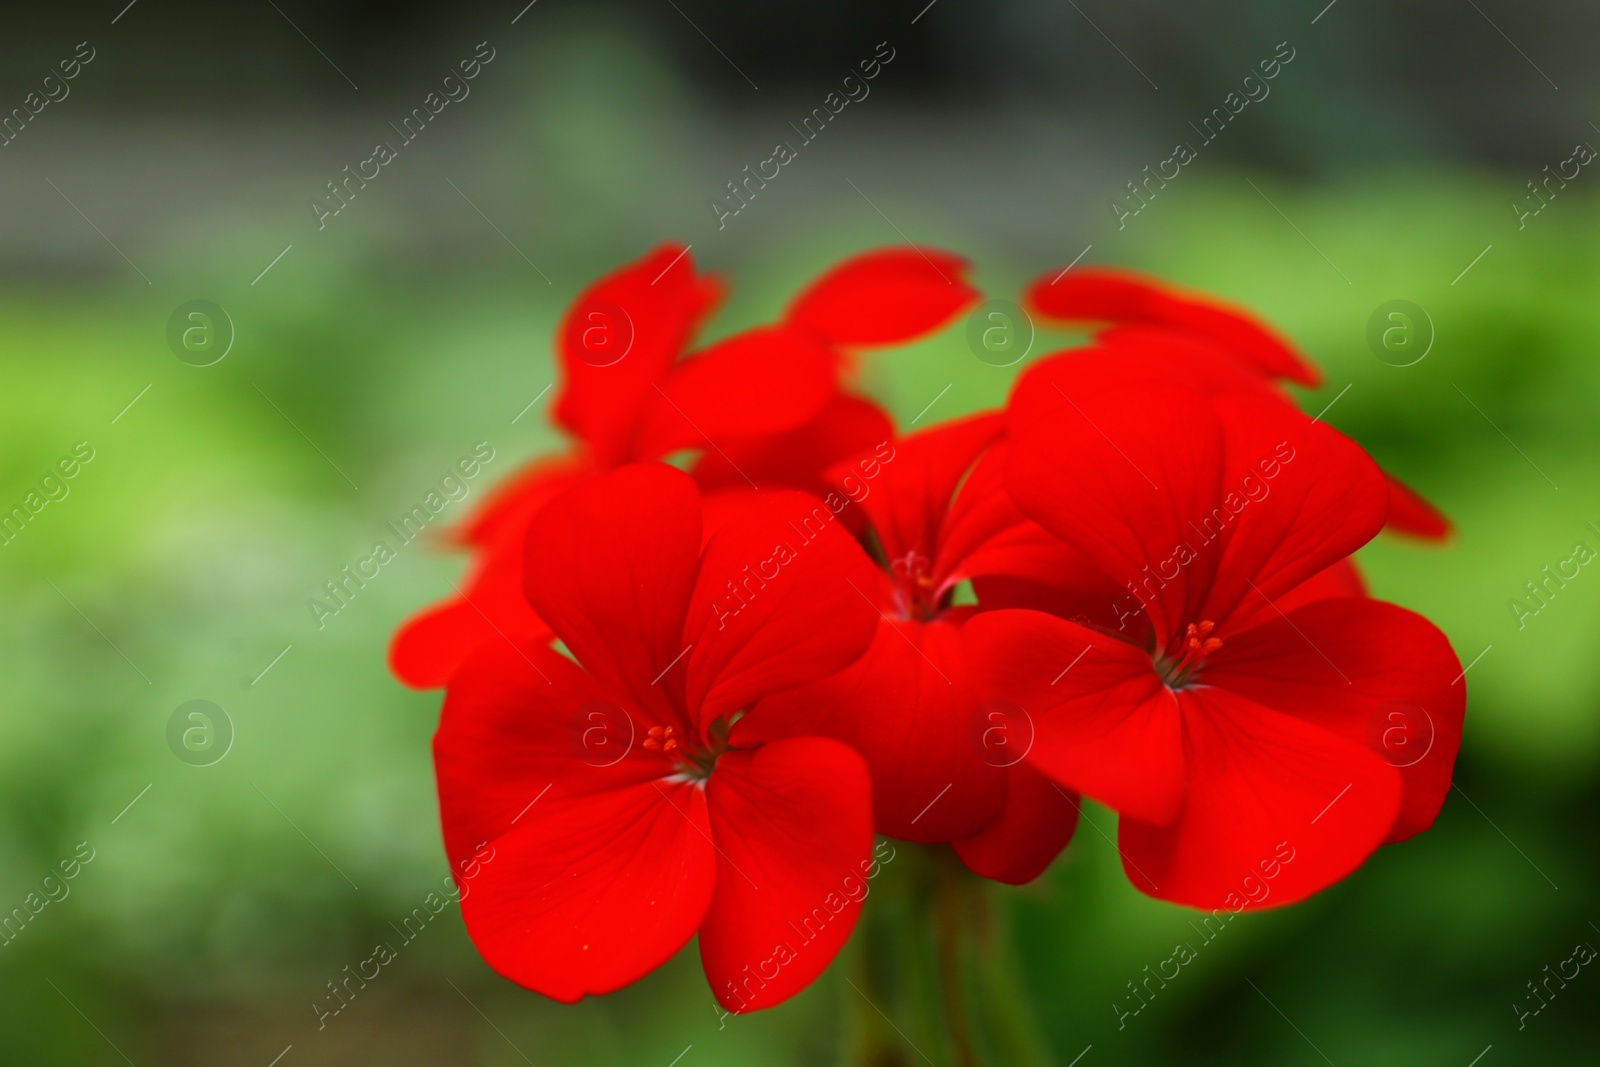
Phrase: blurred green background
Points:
(222, 899)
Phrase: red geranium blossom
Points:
(625, 791)
(1228, 708)
(941, 769)
(1139, 315)
(764, 408)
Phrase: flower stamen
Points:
(661, 739)
(1178, 668)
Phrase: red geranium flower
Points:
(627, 796)
(764, 408)
(942, 769)
(1140, 315)
(1232, 705)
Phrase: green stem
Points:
(1007, 1004)
(935, 974)
(890, 1001)
(951, 934)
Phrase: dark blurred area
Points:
(1380, 81)
(250, 104)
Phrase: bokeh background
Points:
(376, 351)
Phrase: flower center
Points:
(915, 586)
(661, 739)
(1179, 667)
(694, 761)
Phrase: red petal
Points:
(907, 708)
(591, 893)
(1099, 294)
(793, 825)
(908, 494)
(1103, 723)
(1094, 602)
(1140, 485)
(886, 296)
(619, 339)
(1185, 358)
(429, 647)
(985, 536)
(1261, 786)
(1158, 358)
(1298, 496)
(490, 606)
(1125, 478)
(1127, 357)
(765, 381)
(614, 588)
(845, 426)
(720, 507)
(1342, 579)
(511, 505)
(1372, 672)
(1035, 826)
(780, 599)
(1410, 514)
(522, 727)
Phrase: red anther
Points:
(1191, 653)
(660, 739)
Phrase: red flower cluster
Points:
(681, 698)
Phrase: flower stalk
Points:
(936, 976)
